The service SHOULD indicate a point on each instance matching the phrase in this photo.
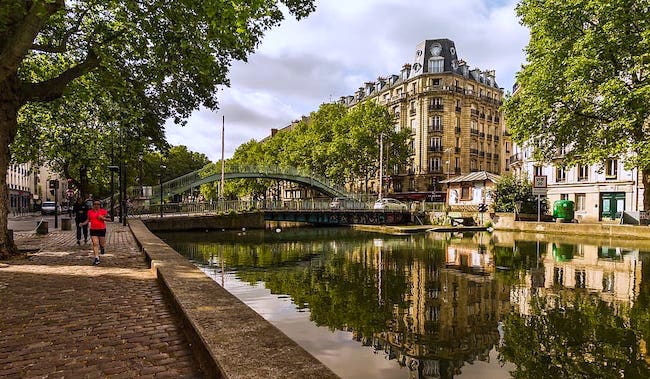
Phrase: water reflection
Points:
(441, 305)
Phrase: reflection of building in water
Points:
(451, 315)
(612, 273)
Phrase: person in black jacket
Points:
(80, 217)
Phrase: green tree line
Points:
(334, 142)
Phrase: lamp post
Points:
(381, 164)
(113, 170)
(448, 151)
(162, 167)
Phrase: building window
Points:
(611, 168)
(581, 199)
(560, 174)
(465, 193)
(564, 196)
(583, 172)
(435, 121)
(434, 82)
(435, 143)
(537, 170)
(435, 164)
(436, 64)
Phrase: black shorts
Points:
(98, 232)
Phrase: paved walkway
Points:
(61, 317)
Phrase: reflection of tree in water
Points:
(409, 306)
(573, 335)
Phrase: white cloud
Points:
(301, 64)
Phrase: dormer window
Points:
(436, 64)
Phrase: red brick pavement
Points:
(61, 317)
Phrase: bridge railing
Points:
(238, 206)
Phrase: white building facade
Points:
(601, 192)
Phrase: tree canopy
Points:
(334, 142)
(586, 83)
(151, 60)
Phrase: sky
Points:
(302, 64)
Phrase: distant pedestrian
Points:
(97, 217)
(89, 201)
(80, 210)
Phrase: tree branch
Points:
(24, 34)
(63, 44)
(53, 88)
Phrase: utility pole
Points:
(223, 162)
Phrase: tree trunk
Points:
(9, 105)
(646, 188)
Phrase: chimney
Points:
(406, 71)
(274, 131)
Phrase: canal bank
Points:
(229, 338)
(506, 222)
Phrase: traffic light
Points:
(482, 208)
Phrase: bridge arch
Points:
(195, 179)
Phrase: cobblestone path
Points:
(61, 317)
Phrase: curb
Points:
(229, 339)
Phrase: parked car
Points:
(50, 207)
(390, 204)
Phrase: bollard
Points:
(66, 224)
(41, 227)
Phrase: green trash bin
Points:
(563, 210)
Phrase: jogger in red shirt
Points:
(96, 217)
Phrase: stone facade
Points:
(452, 112)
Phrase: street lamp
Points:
(162, 167)
(113, 170)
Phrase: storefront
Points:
(19, 201)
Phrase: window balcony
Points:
(514, 158)
(474, 112)
(435, 149)
(489, 137)
(473, 151)
(488, 155)
(481, 153)
(482, 115)
(473, 132)
(458, 109)
(435, 128)
(436, 107)
(481, 134)
(457, 129)
(412, 112)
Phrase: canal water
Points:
(441, 305)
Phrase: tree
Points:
(170, 56)
(510, 190)
(586, 83)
